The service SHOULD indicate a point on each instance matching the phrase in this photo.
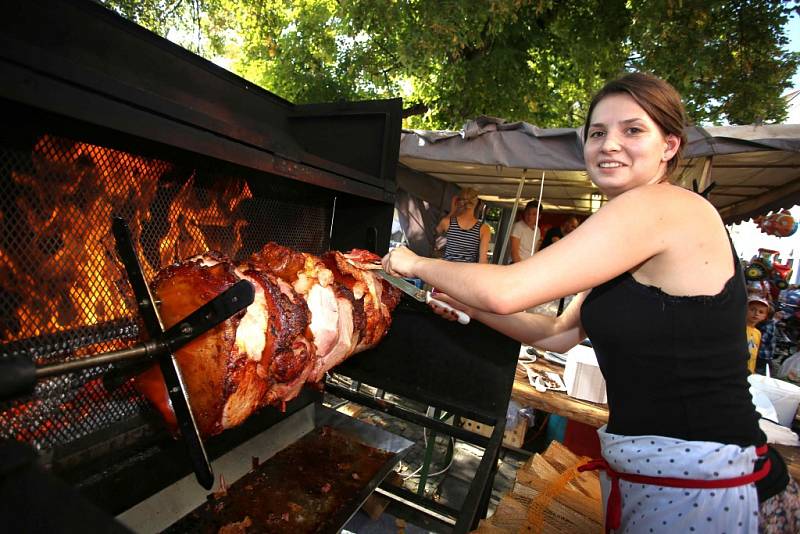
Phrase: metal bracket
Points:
(169, 366)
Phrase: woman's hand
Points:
(449, 314)
(400, 262)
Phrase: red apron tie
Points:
(614, 506)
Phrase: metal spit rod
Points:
(146, 350)
(19, 373)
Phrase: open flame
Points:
(199, 221)
(57, 260)
(59, 270)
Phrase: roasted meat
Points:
(308, 315)
(370, 289)
(331, 308)
(218, 374)
(288, 355)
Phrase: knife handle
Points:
(463, 318)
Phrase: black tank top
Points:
(463, 245)
(677, 366)
(674, 366)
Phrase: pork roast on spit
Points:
(308, 315)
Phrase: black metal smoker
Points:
(99, 118)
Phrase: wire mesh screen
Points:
(64, 295)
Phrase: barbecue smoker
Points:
(102, 119)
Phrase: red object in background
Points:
(582, 439)
(551, 220)
(780, 224)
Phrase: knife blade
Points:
(420, 294)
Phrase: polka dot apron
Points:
(659, 484)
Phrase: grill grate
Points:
(62, 292)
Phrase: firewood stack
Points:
(549, 495)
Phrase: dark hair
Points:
(531, 205)
(657, 98)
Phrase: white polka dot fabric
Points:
(649, 508)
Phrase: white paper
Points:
(582, 375)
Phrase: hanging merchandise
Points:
(780, 224)
(764, 267)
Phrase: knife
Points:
(420, 294)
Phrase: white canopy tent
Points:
(754, 169)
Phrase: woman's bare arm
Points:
(442, 226)
(550, 333)
(629, 230)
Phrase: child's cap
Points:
(755, 297)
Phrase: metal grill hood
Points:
(80, 60)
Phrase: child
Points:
(758, 311)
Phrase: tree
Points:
(725, 57)
(532, 60)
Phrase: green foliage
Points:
(452, 60)
(726, 57)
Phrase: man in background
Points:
(525, 235)
(557, 232)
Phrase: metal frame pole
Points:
(513, 215)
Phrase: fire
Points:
(59, 266)
(199, 221)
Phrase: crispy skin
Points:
(288, 355)
(284, 262)
(390, 297)
(204, 362)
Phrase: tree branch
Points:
(418, 108)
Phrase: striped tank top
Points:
(462, 245)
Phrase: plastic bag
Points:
(790, 370)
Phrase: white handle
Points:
(463, 318)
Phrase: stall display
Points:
(780, 223)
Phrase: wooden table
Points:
(556, 402)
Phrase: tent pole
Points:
(538, 213)
(513, 216)
(704, 177)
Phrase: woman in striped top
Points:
(467, 237)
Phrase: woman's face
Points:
(625, 148)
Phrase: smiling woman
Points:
(626, 130)
(663, 302)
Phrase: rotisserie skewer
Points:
(19, 374)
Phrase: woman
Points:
(663, 301)
(467, 237)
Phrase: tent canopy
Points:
(754, 169)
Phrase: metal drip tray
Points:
(315, 484)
